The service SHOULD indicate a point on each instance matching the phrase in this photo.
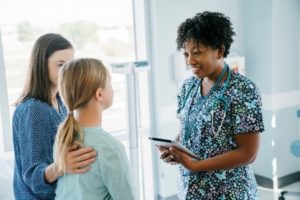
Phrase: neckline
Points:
(217, 83)
(59, 105)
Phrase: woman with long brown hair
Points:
(39, 111)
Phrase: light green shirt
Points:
(109, 176)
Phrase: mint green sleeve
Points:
(116, 174)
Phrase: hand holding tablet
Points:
(172, 143)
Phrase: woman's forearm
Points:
(229, 160)
(245, 153)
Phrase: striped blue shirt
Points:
(34, 128)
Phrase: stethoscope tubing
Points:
(221, 98)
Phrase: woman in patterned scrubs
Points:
(220, 114)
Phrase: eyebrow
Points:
(60, 61)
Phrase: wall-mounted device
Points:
(131, 71)
(129, 67)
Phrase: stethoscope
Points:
(219, 99)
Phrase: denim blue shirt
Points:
(34, 128)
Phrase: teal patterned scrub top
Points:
(244, 115)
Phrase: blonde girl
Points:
(85, 87)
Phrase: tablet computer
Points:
(161, 141)
(172, 143)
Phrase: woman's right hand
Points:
(166, 156)
(78, 160)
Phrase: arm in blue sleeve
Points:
(116, 174)
(36, 149)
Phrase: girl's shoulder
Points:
(100, 139)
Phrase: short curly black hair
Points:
(212, 29)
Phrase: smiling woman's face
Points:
(202, 60)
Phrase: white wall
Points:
(272, 60)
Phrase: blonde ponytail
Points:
(68, 133)
(78, 81)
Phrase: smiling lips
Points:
(195, 70)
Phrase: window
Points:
(97, 28)
(5, 140)
(93, 28)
